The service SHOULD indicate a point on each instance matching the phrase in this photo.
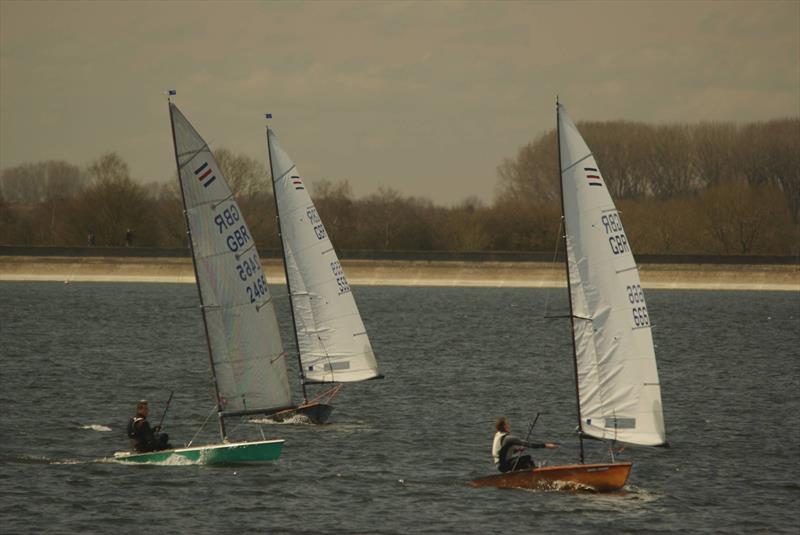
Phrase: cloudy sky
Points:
(427, 98)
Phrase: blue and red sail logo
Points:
(593, 176)
(204, 175)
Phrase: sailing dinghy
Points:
(244, 345)
(617, 387)
(331, 341)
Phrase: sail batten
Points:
(243, 337)
(618, 393)
(326, 316)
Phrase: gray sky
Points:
(426, 98)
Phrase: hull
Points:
(316, 413)
(232, 453)
(597, 477)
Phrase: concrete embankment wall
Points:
(771, 275)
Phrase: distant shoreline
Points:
(359, 254)
(456, 273)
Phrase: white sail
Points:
(246, 349)
(618, 388)
(334, 345)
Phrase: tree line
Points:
(707, 188)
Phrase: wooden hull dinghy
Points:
(228, 453)
(594, 477)
(617, 389)
(315, 413)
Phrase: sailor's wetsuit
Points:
(143, 438)
(507, 452)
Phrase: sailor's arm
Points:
(514, 441)
(548, 445)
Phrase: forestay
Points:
(246, 350)
(333, 342)
(618, 388)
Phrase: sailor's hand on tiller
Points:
(550, 445)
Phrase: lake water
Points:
(399, 453)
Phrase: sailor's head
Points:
(502, 425)
(142, 409)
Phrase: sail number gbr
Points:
(230, 224)
(616, 234)
(639, 310)
(341, 280)
(229, 221)
(319, 228)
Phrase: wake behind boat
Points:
(616, 380)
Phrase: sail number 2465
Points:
(250, 268)
(257, 289)
(639, 310)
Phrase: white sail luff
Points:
(618, 388)
(246, 349)
(332, 340)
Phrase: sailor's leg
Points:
(163, 441)
(525, 463)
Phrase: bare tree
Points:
(112, 204)
(620, 148)
(23, 183)
(714, 152)
(738, 215)
(783, 148)
(337, 209)
(63, 180)
(662, 226)
(389, 221)
(523, 225)
(167, 207)
(465, 226)
(41, 181)
(7, 219)
(769, 153)
(669, 161)
(245, 175)
(533, 174)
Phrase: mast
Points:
(569, 286)
(286, 268)
(222, 432)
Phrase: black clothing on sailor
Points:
(507, 450)
(143, 438)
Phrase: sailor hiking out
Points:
(507, 449)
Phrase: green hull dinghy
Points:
(231, 453)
